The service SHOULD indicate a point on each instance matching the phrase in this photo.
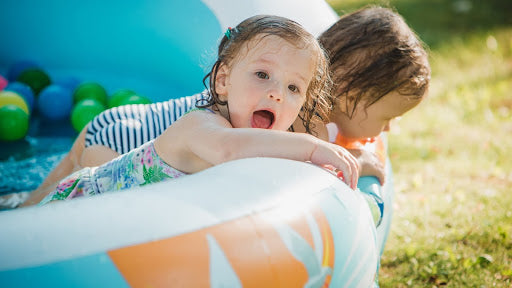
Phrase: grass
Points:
(452, 224)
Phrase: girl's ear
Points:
(221, 81)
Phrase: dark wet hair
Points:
(373, 52)
(318, 90)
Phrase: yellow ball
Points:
(9, 97)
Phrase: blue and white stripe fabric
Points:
(127, 127)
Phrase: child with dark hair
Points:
(268, 68)
(380, 71)
(379, 68)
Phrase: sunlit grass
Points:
(452, 156)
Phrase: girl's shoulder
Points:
(200, 109)
(209, 116)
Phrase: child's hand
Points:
(334, 171)
(370, 164)
(340, 159)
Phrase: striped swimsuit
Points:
(125, 128)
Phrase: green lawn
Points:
(452, 156)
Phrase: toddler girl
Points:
(268, 68)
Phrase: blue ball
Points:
(69, 82)
(55, 102)
(18, 67)
(24, 91)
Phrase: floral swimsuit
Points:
(138, 167)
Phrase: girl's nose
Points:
(275, 97)
(275, 94)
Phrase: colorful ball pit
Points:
(18, 67)
(118, 97)
(14, 115)
(10, 97)
(135, 99)
(36, 78)
(126, 97)
(3, 82)
(90, 91)
(69, 82)
(84, 111)
(14, 123)
(55, 102)
(23, 90)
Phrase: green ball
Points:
(13, 123)
(90, 90)
(35, 78)
(116, 98)
(135, 99)
(84, 111)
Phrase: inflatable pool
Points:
(294, 225)
(296, 232)
(275, 223)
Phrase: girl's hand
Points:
(370, 164)
(339, 158)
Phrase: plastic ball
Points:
(90, 90)
(135, 99)
(55, 102)
(84, 111)
(36, 78)
(13, 123)
(18, 67)
(23, 90)
(69, 82)
(3, 82)
(116, 98)
(13, 98)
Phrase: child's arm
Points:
(197, 141)
(206, 139)
(368, 162)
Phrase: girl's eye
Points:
(293, 88)
(262, 75)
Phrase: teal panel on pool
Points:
(357, 262)
(96, 270)
(159, 48)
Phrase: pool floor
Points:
(25, 163)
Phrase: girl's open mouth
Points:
(263, 119)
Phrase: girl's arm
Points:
(207, 139)
(368, 162)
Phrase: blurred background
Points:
(452, 224)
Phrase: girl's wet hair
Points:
(373, 52)
(318, 91)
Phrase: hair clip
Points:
(230, 32)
